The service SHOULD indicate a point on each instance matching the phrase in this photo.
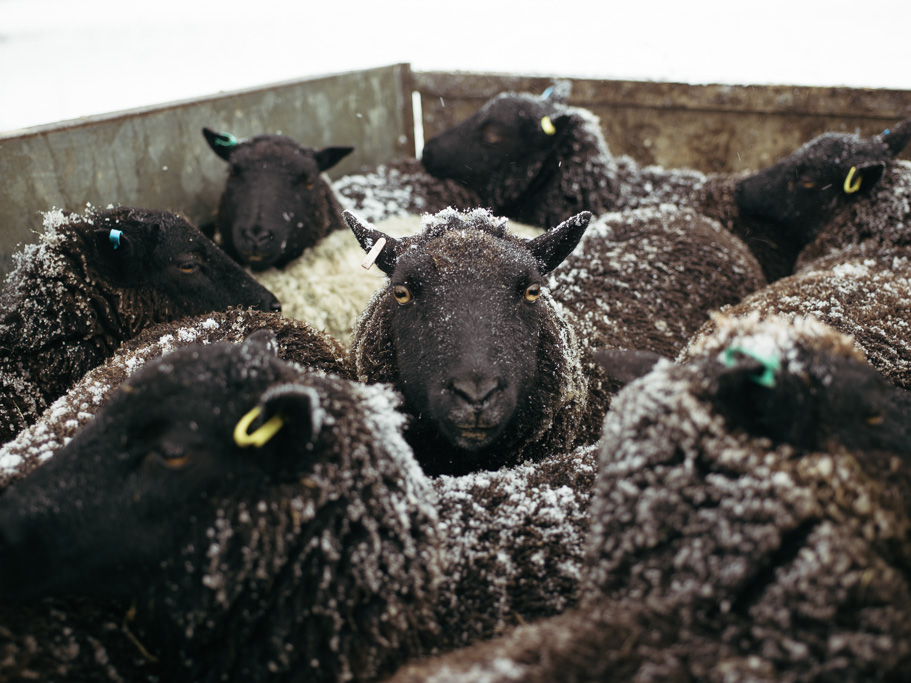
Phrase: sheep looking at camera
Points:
(94, 281)
(466, 329)
(270, 520)
(276, 203)
(729, 540)
(536, 159)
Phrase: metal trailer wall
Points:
(156, 157)
(713, 128)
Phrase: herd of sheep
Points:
(575, 419)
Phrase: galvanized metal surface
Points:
(708, 127)
(157, 157)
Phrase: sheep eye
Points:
(175, 462)
(532, 292)
(402, 294)
(874, 420)
(188, 265)
(807, 183)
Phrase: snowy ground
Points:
(62, 59)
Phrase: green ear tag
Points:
(226, 140)
(770, 365)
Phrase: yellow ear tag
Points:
(548, 126)
(261, 436)
(852, 187)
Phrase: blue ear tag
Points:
(226, 140)
(770, 365)
(115, 237)
(547, 93)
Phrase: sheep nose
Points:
(475, 391)
(257, 235)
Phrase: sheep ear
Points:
(299, 407)
(328, 157)
(116, 252)
(551, 248)
(369, 238)
(625, 366)
(862, 178)
(558, 92)
(221, 143)
(897, 137)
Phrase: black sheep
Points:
(94, 281)
(276, 202)
(270, 521)
(750, 523)
(535, 159)
(466, 329)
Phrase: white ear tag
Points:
(373, 254)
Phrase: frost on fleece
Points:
(721, 548)
(312, 556)
(646, 279)
(77, 294)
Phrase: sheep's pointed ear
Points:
(369, 239)
(221, 143)
(328, 157)
(551, 248)
(625, 366)
(558, 92)
(897, 137)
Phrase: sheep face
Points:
(275, 203)
(801, 191)
(464, 309)
(510, 137)
(306, 552)
(101, 516)
(158, 251)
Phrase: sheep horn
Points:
(261, 436)
(851, 186)
(369, 237)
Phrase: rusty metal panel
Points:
(157, 157)
(709, 127)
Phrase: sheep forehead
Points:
(465, 254)
(838, 148)
(278, 152)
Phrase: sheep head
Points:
(500, 150)
(247, 505)
(275, 203)
(468, 316)
(158, 252)
(801, 191)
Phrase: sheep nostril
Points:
(475, 391)
(276, 306)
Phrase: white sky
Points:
(62, 59)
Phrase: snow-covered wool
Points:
(296, 341)
(95, 280)
(465, 327)
(328, 288)
(276, 202)
(750, 522)
(646, 279)
(862, 290)
(514, 544)
(537, 159)
(401, 187)
(308, 554)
